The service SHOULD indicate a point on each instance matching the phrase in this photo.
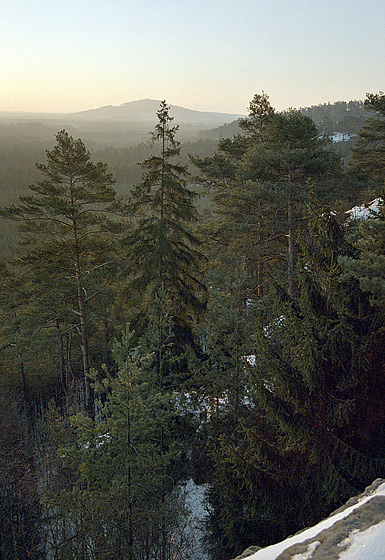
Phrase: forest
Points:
(201, 315)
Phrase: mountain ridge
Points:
(110, 125)
(137, 111)
(131, 123)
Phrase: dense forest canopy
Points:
(198, 312)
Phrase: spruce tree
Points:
(317, 381)
(310, 432)
(226, 338)
(162, 248)
(368, 266)
(122, 497)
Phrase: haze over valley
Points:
(122, 125)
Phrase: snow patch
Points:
(365, 211)
(368, 545)
(307, 556)
(342, 136)
(370, 540)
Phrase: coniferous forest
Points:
(218, 324)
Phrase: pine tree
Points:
(240, 229)
(260, 181)
(288, 156)
(63, 221)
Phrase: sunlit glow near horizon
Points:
(83, 54)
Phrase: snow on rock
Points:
(367, 544)
(342, 136)
(365, 211)
(354, 532)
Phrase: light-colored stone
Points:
(248, 552)
(329, 542)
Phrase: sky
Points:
(208, 55)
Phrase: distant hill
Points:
(120, 136)
(131, 123)
(227, 130)
(145, 110)
(118, 126)
(344, 117)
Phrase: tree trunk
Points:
(88, 400)
(82, 310)
(130, 512)
(290, 271)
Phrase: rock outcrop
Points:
(334, 535)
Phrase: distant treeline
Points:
(23, 144)
(346, 117)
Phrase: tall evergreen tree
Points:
(318, 381)
(260, 182)
(63, 220)
(290, 154)
(122, 496)
(163, 251)
(310, 432)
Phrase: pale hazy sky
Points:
(70, 55)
